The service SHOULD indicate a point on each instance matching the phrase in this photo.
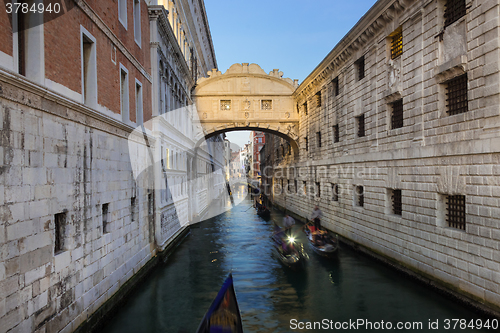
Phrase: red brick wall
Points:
(6, 45)
(63, 55)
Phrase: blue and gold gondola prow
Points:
(223, 316)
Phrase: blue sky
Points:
(293, 36)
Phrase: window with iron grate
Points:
(456, 95)
(307, 143)
(318, 99)
(305, 108)
(453, 11)
(295, 185)
(359, 196)
(455, 211)
(318, 138)
(360, 121)
(304, 186)
(105, 218)
(335, 86)
(336, 133)
(318, 189)
(60, 226)
(397, 205)
(360, 67)
(396, 43)
(397, 114)
(335, 192)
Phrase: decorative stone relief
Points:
(451, 181)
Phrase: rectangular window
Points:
(318, 190)
(397, 205)
(307, 144)
(360, 121)
(105, 218)
(21, 42)
(335, 192)
(139, 117)
(454, 10)
(397, 114)
(456, 95)
(137, 21)
(318, 99)
(396, 43)
(335, 86)
(359, 196)
(133, 208)
(305, 108)
(150, 204)
(266, 104)
(336, 133)
(318, 138)
(89, 68)
(122, 12)
(124, 94)
(455, 211)
(360, 68)
(225, 105)
(304, 186)
(59, 232)
(167, 157)
(295, 185)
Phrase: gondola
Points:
(223, 316)
(264, 212)
(330, 245)
(291, 253)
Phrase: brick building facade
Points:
(76, 224)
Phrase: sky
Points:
(292, 36)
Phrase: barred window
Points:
(456, 95)
(397, 206)
(105, 218)
(397, 43)
(304, 185)
(60, 226)
(336, 133)
(454, 10)
(335, 86)
(318, 138)
(305, 108)
(318, 99)
(318, 189)
(360, 67)
(359, 196)
(455, 211)
(307, 144)
(266, 104)
(225, 105)
(335, 192)
(295, 185)
(360, 120)
(397, 114)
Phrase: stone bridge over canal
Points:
(247, 98)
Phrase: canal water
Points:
(271, 297)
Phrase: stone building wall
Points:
(432, 156)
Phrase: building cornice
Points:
(383, 12)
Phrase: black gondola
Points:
(264, 212)
(289, 252)
(322, 242)
(223, 316)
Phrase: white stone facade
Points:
(431, 156)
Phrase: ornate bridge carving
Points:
(246, 98)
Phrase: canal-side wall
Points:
(353, 176)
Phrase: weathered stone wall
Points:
(57, 160)
(433, 155)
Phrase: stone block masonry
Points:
(425, 194)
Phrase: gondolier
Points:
(316, 216)
(288, 223)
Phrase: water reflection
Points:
(176, 295)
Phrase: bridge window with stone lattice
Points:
(225, 105)
(266, 104)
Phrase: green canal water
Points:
(272, 298)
